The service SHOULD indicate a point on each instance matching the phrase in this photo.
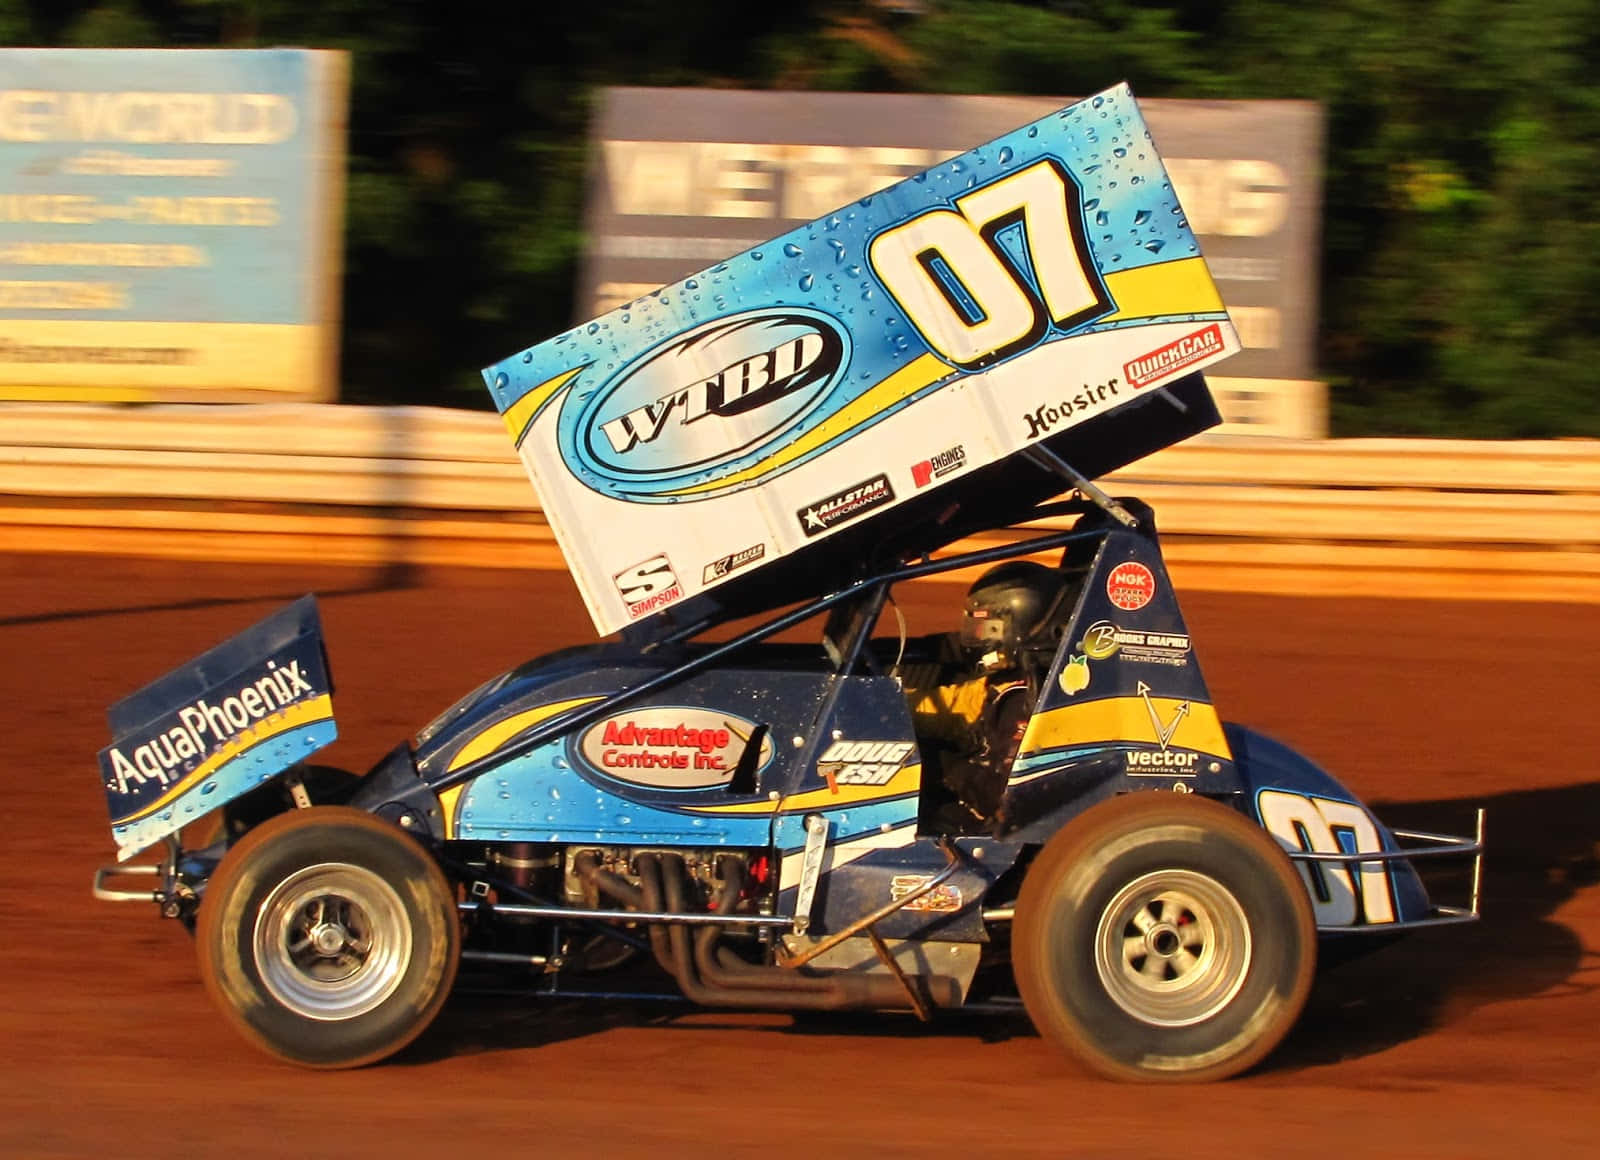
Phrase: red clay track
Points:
(1469, 1042)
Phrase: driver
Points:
(1011, 615)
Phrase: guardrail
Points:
(425, 485)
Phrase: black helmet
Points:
(1007, 607)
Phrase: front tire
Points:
(1163, 937)
(328, 938)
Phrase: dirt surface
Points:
(1464, 1042)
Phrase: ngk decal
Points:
(670, 748)
(863, 762)
(1131, 586)
(648, 585)
(1186, 351)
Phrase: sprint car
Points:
(1041, 808)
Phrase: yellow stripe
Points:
(1126, 719)
(500, 732)
(520, 415)
(908, 380)
(905, 781)
(447, 804)
(289, 717)
(1180, 287)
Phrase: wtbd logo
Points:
(739, 387)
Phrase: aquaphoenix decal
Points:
(205, 726)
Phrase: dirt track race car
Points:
(703, 809)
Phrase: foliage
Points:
(1459, 274)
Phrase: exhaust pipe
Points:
(749, 986)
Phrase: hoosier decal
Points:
(845, 505)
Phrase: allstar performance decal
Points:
(845, 505)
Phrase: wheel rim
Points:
(332, 941)
(1173, 948)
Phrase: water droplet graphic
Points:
(755, 255)
(594, 328)
(791, 250)
(1119, 151)
(807, 281)
(527, 356)
(1097, 102)
(1006, 155)
(1154, 245)
(1141, 217)
(691, 284)
(838, 249)
(1033, 130)
(1102, 218)
(500, 381)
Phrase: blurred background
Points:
(1458, 278)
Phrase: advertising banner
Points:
(890, 347)
(170, 223)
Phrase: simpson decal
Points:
(1131, 586)
(670, 748)
(845, 505)
(1169, 359)
(648, 586)
(939, 466)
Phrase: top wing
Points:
(756, 427)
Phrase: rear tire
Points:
(1162, 937)
(328, 937)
